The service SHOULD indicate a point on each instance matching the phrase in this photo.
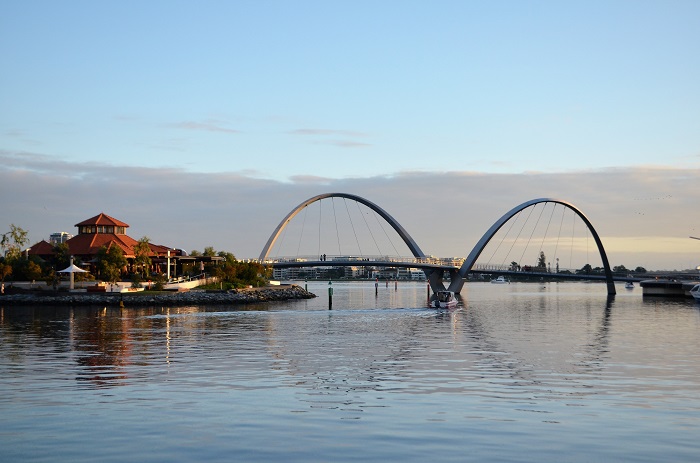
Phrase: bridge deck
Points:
(563, 276)
(360, 263)
(428, 265)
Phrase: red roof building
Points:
(103, 231)
(41, 249)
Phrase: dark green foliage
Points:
(110, 263)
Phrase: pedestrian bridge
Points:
(539, 215)
(367, 261)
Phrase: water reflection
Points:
(539, 367)
(523, 340)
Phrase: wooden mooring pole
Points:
(330, 295)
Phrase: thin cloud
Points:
(203, 126)
(172, 144)
(343, 143)
(329, 132)
(339, 138)
(310, 180)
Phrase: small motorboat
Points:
(443, 300)
(500, 280)
(629, 285)
(695, 292)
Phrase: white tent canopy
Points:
(72, 268)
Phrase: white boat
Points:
(500, 280)
(695, 292)
(443, 300)
(629, 285)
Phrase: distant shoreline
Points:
(196, 297)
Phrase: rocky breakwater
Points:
(194, 297)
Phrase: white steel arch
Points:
(457, 283)
(412, 245)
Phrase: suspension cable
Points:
(303, 224)
(561, 222)
(385, 234)
(534, 228)
(548, 224)
(573, 230)
(368, 228)
(279, 247)
(345, 201)
(319, 228)
(512, 222)
(513, 243)
(337, 233)
(532, 208)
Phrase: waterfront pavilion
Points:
(105, 231)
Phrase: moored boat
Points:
(500, 280)
(629, 285)
(443, 300)
(695, 292)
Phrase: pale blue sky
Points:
(421, 107)
(277, 89)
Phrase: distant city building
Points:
(60, 237)
(411, 274)
(452, 261)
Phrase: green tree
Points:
(32, 271)
(228, 257)
(110, 262)
(142, 259)
(209, 251)
(61, 256)
(640, 270)
(620, 269)
(12, 242)
(234, 273)
(5, 271)
(542, 260)
(586, 269)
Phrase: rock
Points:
(267, 294)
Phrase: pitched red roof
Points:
(102, 219)
(159, 250)
(42, 248)
(89, 244)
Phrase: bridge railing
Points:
(485, 268)
(361, 260)
(495, 268)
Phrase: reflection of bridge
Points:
(433, 270)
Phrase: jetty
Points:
(667, 287)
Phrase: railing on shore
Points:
(186, 278)
(190, 282)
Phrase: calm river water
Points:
(519, 372)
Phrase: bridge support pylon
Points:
(435, 278)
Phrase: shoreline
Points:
(195, 297)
